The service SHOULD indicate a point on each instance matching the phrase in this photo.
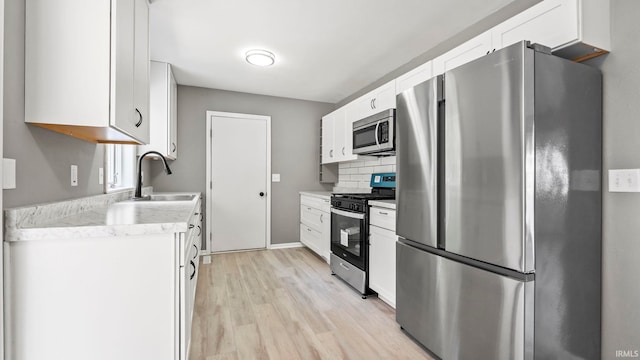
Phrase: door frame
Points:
(209, 193)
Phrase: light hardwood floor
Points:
(284, 304)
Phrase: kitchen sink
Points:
(166, 197)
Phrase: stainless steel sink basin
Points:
(166, 197)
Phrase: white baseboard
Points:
(285, 245)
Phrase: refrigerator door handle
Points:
(348, 214)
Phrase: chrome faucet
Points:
(167, 170)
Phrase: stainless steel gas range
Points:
(350, 231)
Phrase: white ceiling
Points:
(325, 50)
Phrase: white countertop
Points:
(98, 216)
(387, 204)
(326, 195)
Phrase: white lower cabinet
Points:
(382, 254)
(102, 298)
(315, 224)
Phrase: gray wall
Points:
(621, 228)
(294, 149)
(43, 157)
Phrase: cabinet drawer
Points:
(384, 218)
(313, 218)
(314, 202)
(310, 238)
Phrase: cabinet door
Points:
(173, 115)
(123, 114)
(375, 101)
(385, 97)
(325, 245)
(552, 23)
(382, 263)
(343, 140)
(470, 50)
(414, 77)
(328, 126)
(141, 70)
(339, 134)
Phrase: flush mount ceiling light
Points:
(260, 57)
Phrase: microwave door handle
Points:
(348, 214)
(377, 128)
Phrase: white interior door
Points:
(240, 185)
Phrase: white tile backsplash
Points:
(357, 174)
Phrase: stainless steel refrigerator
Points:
(499, 164)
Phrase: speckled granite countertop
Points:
(98, 216)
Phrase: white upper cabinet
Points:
(337, 141)
(574, 29)
(470, 50)
(374, 102)
(414, 77)
(328, 124)
(163, 112)
(87, 70)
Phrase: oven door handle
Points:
(348, 214)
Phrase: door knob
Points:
(261, 194)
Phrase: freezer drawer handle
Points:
(348, 214)
(344, 266)
(383, 213)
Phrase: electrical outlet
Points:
(100, 176)
(206, 259)
(624, 180)
(74, 175)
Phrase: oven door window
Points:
(348, 237)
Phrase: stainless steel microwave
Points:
(375, 135)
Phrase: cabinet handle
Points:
(309, 208)
(344, 266)
(343, 150)
(194, 270)
(201, 216)
(140, 115)
(331, 153)
(308, 229)
(322, 222)
(196, 255)
(173, 147)
(383, 213)
(374, 102)
(191, 226)
(371, 103)
(199, 230)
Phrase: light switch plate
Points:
(8, 173)
(624, 180)
(206, 259)
(275, 177)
